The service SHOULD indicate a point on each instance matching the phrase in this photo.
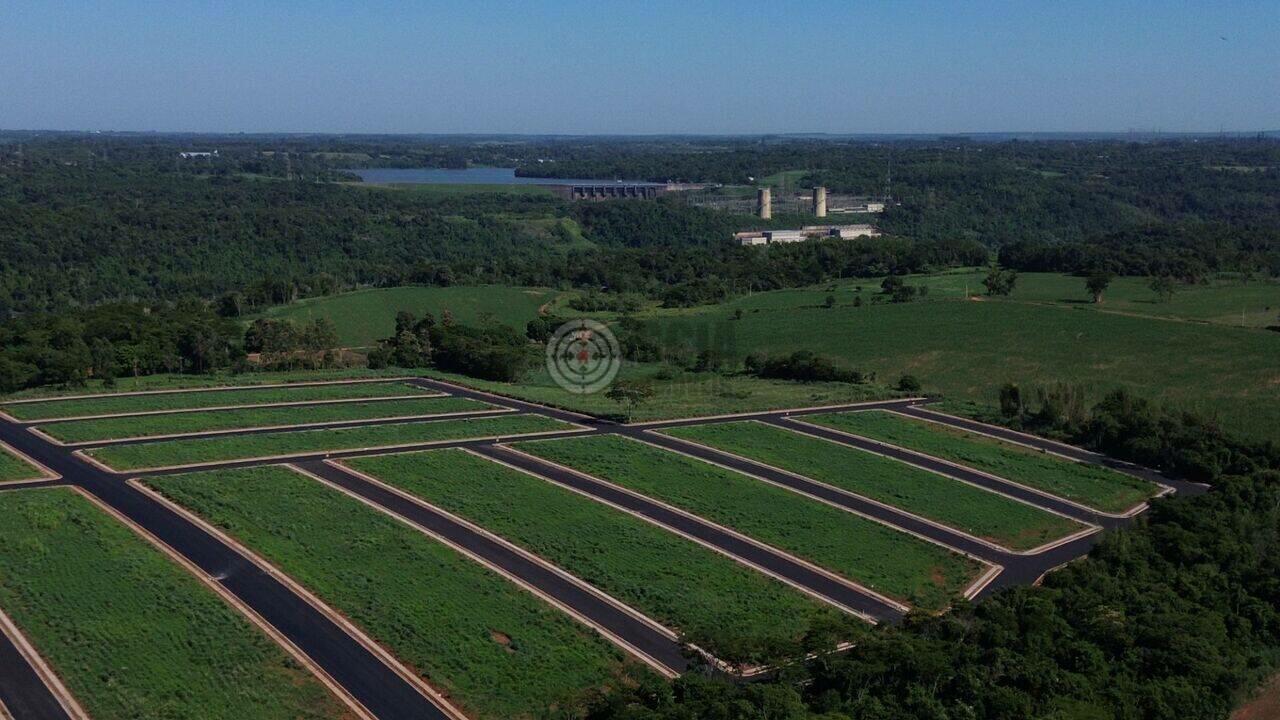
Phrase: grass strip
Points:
(1089, 485)
(892, 562)
(973, 510)
(496, 650)
(731, 611)
(130, 633)
(137, 426)
(54, 409)
(14, 468)
(166, 453)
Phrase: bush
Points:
(909, 383)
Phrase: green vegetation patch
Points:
(364, 317)
(119, 404)
(1090, 485)
(892, 562)
(14, 468)
(496, 650)
(132, 634)
(969, 349)
(681, 394)
(967, 508)
(149, 425)
(168, 453)
(728, 609)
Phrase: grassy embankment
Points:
(967, 508)
(1090, 485)
(718, 604)
(112, 405)
(167, 453)
(893, 563)
(135, 636)
(495, 649)
(175, 424)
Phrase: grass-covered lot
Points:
(179, 423)
(14, 468)
(718, 604)
(967, 508)
(113, 405)
(167, 453)
(680, 393)
(130, 633)
(364, 317)
(891, 562)
(494, 649)
(1089, 485)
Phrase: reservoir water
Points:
(469, 176)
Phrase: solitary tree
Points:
(631, 392)
(1000, 282)
(1097, 284)
(1163, 287)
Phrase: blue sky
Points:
(640, 67)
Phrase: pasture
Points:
(980, 513)
(891, 562)
(364, 317)
(493, 648)
(14, 468)
(136, 636)
(724, 607)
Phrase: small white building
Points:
(808, 232)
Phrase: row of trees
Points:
(491, 352)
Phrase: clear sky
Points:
(648, 66)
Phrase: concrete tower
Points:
(820, 202)
(764, 203)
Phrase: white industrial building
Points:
(808, 232)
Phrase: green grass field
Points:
(14, 468)
(53, 409)
(130, 633)
(174, 424)
(364, 317)
(495, 649)
(967, 508)
(680, 394)
(722, 606)
(891, 562)
(167, 453)
(1090, 485)
(968, 349)
(173, 381)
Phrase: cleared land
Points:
(54, 409)
(364, 317)
(968, 349)
(149, 425)
(168, 453)
(14, 468)
(134, 635)
(891, 562)
(729, 610)
(493, 648)
(681, 394)
(1089, 485)
(980, 513)
(173, 381)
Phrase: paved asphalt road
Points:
(390, 697)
